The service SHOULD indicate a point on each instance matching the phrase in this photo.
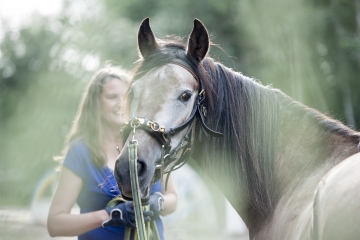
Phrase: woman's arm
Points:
(170, 197)
(60, 221)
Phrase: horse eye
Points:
(185, 96)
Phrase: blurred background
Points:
(310, 49)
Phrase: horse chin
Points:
(128, 196)
(146, 197)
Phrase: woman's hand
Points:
(123, 214)
(156, 204)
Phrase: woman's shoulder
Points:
(77, 149)
(77, 157)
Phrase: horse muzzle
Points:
(122, 176)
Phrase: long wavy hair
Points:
(87, 125)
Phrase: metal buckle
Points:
(164, 137)
(135, 123)
(156, 127)
(202, 93)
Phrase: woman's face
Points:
(112, 101)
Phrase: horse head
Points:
(164, 99)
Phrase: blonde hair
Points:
(87, 124)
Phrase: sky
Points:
(16, 11)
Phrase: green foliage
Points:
(36, 105)
(309, 49)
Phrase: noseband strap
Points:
(149, 126)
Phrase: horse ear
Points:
(198, 44)
(146, 39)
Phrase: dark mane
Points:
(251, 139)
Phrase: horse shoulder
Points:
(336, 209)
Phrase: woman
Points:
(87, 169)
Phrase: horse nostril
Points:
(141, 167)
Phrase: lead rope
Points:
(151, 231)
(140, 224)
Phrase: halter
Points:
(169, 160)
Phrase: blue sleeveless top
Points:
(99, 187)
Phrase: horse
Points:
(288, 170)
